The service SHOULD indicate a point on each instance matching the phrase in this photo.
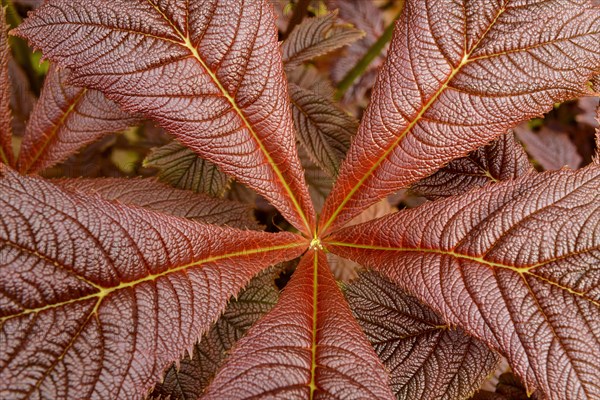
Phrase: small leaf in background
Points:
(308, 346)
(323, 129)
(427, 359)
(65, 119)
(99, 298)
(6, 150)
(224, 95)
(551, 149)
(501, 160)
(157, 196)
(189, 377)
(315, 37)
(180, 167)
(497, 262)
(318, 181)
(365, 16)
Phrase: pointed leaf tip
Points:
(222, 93)
(309, 346)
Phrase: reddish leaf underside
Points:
(64, 120)
(222, 92)
(188, 377)
(156, 196)
(454, 81)
(309, 346)
(6, 152)
(501, 160)
(516, 264)
(426, 358)
(97, 299)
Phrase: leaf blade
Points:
(408, 108)
(154, 195)
(125, 293)
(182, 168)
(491, 247)
(426, 358)
(64, 120)
(305, 338)
(187, 76)
(314, 37)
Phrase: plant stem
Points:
(366, 60)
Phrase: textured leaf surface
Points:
(319, 182)
(426, 358)
(551, 149)
(485, 71)
(157, 196)
(501, 160)
(516, 264)
(97, 299)
(309, 346)
(315, 37)
(6, 152)
(182, 168)
(221, 91)
(64, 120)
(192, 375)
(323, 129)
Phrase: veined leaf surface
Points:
(220, 92)
(157, 196)
(516, 264)
(64, 120)
(188, 378)
(427, 359)
(501, 160)
(6, 152)
(454, 80)
(309, 346)
(182, 168)
(97, 298)
(316, 36)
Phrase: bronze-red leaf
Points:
(517, 264)
(97, 298)
(309, 346)
(220, 91)
(457, 77)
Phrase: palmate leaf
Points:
(220, 92)
(426, 358)
(323, 129)
(315, 37)
(6, 152)
(64, 120)
(97, 298)
(192, 374)
(503, 159)
(309, 346)
(454, 81)
(180, 167)
(516, 264)
(157, 196)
